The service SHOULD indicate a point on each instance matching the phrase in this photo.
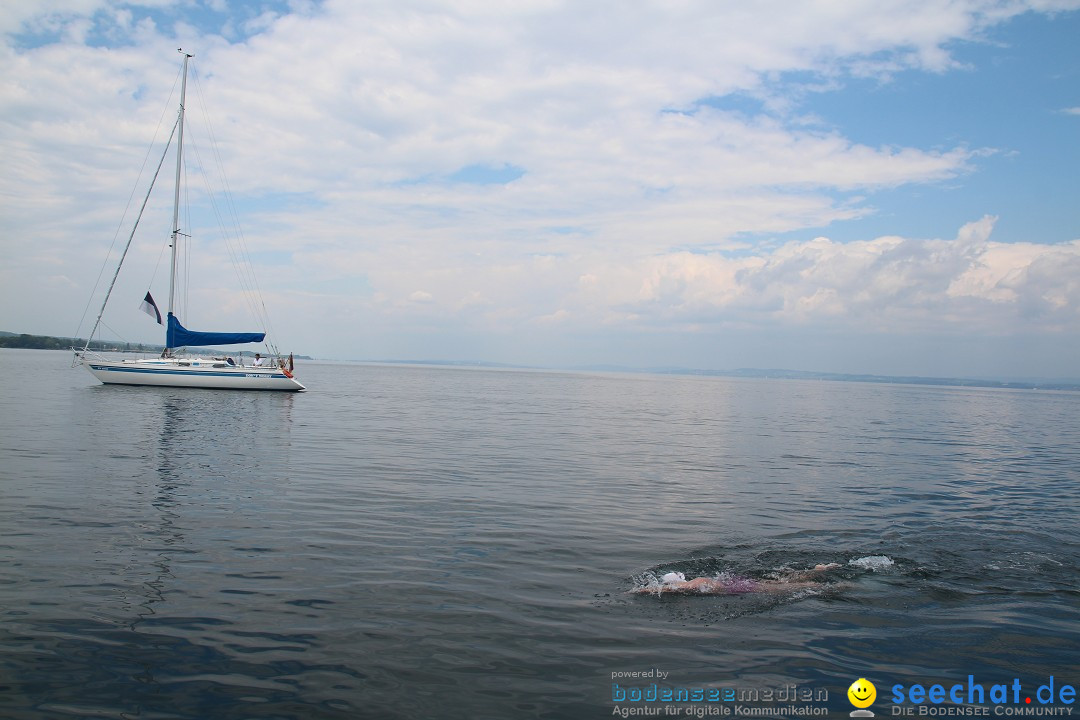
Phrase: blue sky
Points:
(1009, 96)
(883, 187)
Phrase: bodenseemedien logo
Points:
(862, 694)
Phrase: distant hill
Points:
(1072, 384)
(49, 342)
(1030, 384)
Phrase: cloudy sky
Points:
(836, 185)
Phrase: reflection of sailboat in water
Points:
(169, 537)
(192, 468)
(250, 441)
(171, 368)
(161, 537)
(164, 534)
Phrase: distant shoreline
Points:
(24, 341)
(47, 342)
(779, 374)
(770, 374)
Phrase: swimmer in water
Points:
(676, 582)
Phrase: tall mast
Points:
(176, 193)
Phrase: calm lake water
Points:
(414, 542)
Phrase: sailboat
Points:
(174, 367)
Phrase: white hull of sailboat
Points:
(196, 373)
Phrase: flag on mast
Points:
(149, 307)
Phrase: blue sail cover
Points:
(179, 336)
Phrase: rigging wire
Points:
(227, 216)
(131, 237)
(236, 245)
(127, 207)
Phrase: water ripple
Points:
(417, 542)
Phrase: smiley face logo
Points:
(862, 693)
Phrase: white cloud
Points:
(419, 296)
(890, 283)
(887, 284)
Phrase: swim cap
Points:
(673, 577)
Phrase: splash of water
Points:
(872, 562)
(654, 581)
